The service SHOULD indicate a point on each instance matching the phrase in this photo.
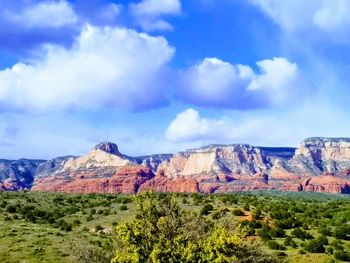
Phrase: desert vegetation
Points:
(154, 227)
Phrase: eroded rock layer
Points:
(317, 165)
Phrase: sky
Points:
(161, 76)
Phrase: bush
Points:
(300, 233)
(256, 214)
(277, 232)
(246, 207)
(11, 209)
(329, 250)
(275, 245)
(123, 208)
(76, 222)
(314, 246)
(264, 233)
(91, 254)
(342, 255)
(237, 212)
(341, 232)
(98, 228)
(325, 231)
(63, 225)
(206, 209)
(290, 242)
(216, 215)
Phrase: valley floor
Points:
(54, 227)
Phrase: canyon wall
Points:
(317, 165)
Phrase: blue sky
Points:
(159, 76)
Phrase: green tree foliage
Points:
(290, 242)
(342, 232)
(315, 246)
(300, 233)
(162, 232)
(256, 214)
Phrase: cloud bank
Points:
(310, 18)
(216, 83)
(106, 67)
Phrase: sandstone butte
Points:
(317, 165)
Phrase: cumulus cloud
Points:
(106, 67)
(265, 128)
(327, 16)
(149, 13)
(190, 126)
(217, 83)
(52, 14)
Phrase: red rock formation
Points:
(329, 184)
(160, 183)
(127, 179)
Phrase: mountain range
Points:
(317, 165)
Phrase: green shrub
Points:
(63, 225)
(98, 228)
(76, 222)
(300, 233)
(314, 246)
(275, 245)
(277, 232)
(123, 208)
(342, 255)
(290, 242)
(92, 211)
(237, 212)
(206, 209)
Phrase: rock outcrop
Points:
(127, 179)
(317, 165)
(18, 175)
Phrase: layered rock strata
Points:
(317, 165)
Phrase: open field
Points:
(55, 227)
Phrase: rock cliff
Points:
(318, 165)
(19, 174)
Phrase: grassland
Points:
(56, 227)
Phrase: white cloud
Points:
(157, 7)
(53, 14)
(113, 67)
(148, 13)
(110, 12)
(189, 126)
(216, 83)
(330, 16)
(333, 15)
(264, 128)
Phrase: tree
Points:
(256, 214)
(162, 232)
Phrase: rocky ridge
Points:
(318, 165)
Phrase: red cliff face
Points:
(127, 179)
(160, 183)
(318, 165)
